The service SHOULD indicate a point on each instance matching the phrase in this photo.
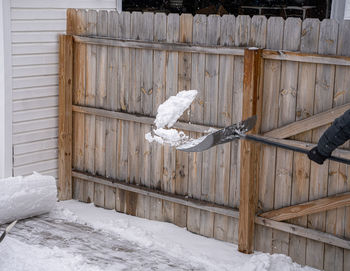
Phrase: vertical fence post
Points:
(250, 152)
(65, 117)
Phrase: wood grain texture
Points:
(250, 153)
(271, 85)
(65, 118)
(169, 166)
(145, 191)
(323, 101)
(314, 121)
(79, 98)
(133, 205)
(164, 46)
(318, 58)
(224, 108)
(111, 104)
(132, 117)
(90, 100)
(101, 102)
(236, 116)
(197, 114)
(184, 83)
(146, 32)
(158, 97)
(306, 89)
(286, 114)
(210, 111)
(307, 208)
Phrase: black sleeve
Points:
(337, 134)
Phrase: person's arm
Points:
(336, 135)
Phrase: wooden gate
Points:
(116, 69)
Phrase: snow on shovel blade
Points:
(227, 134)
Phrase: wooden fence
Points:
(116, 69)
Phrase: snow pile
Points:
(22, 197)
(167, 114)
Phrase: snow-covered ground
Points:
(78, 236)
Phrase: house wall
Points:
(340, 10)
(5, 93)
(35, 26)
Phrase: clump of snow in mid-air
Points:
(167, 114)
(172, 109)
(22, 197)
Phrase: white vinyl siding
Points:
(35, 26)
(347, 10)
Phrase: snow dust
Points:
(167, 115)
(22, 197)
(151, 240)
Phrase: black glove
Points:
(315, 156)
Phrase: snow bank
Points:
(22, 197)
(203, 253)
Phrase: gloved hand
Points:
(315, 156)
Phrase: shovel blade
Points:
(227, 134)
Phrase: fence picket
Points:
(111, 104)
(101, 93)
(134, 201)
(271, 84)
(309, 43)
(79, 98)
(146, 70)
(322, 102)
(210, 117)
(286, 114)
(123, 82)
(226, 79)
(159, 73)
(184, 82)
(90, 100)
(169, 167)
(197, 82)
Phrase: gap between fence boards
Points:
(215, 208)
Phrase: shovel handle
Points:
(270, 142)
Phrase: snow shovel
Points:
(238, 131)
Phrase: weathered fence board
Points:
(65, 118)
(323, 101)
(126, 64)
(169, 168)
(225, 82)
(271, 82)
(197, 116)
(90, 100)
